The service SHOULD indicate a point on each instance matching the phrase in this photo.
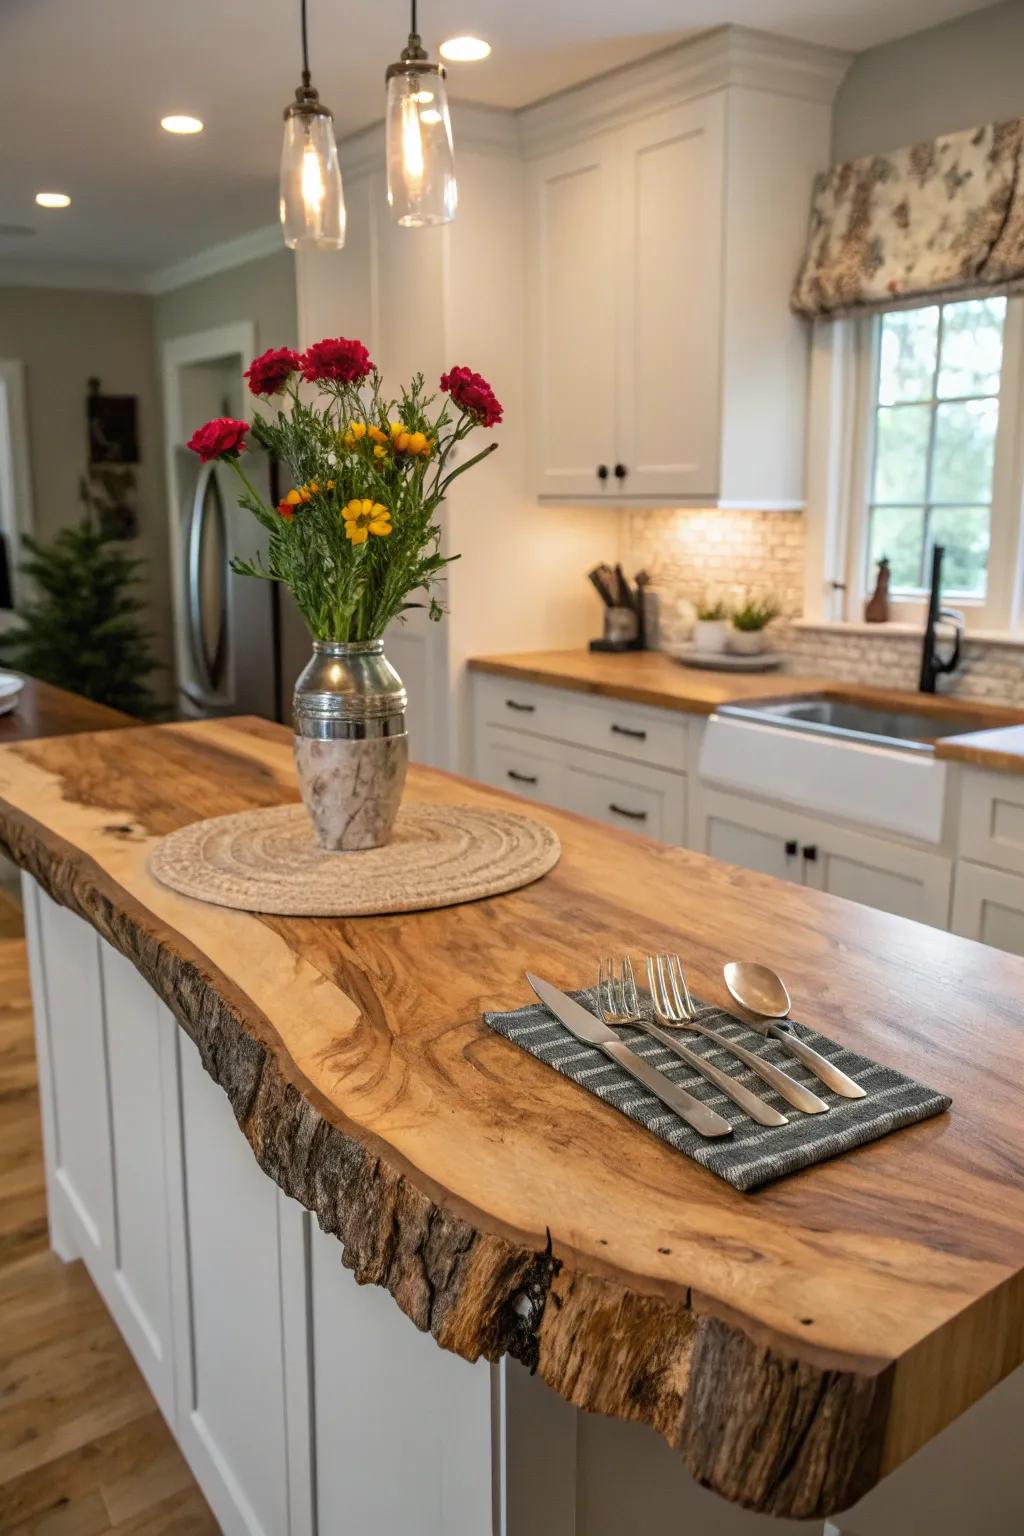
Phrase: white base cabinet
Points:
(875, 871)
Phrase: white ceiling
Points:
(85, 83)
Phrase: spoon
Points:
(757, 989)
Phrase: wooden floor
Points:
(83, 1449)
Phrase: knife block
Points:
(623, 630)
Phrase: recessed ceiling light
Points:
(53, 199)
(178, 123)
(464, 50)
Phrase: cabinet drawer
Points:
(637, 799)
(520, 706)
(653, 736)
(992, 819)
(512, 761)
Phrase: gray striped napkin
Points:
(754, 1154)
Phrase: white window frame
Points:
(844, 370)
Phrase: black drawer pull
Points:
(620, 810)
(526, 709)
(602, 471)
(792, 848)
(624, 730)
(522, 778)
(621, 471)
(810, 852)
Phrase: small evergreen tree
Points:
(80, 628)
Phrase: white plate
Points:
(10, 687)
(727, 661)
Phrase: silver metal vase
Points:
(351, 746)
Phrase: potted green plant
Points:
(749, 622)
(357, 542)
(711, 629)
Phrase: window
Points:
(917, 439)
(935, 423)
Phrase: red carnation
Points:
(220, 439)
(473, 395)
(339, 360)
(270, 372)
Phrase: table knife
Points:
(586, 1027)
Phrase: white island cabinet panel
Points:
(73, 1055)
(403, 1438)
(140, 1040)
(231, 1420)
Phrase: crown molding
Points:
(727, 56)
(253, 246)
(90, 277)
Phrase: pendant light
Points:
(312, 201)
(421, 159)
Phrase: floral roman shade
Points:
(943, 219)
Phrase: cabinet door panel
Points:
(878, 873)
(573, 281)
(231, 1420)
(670, 257)
(746, 833)
(381, 1391)
(140, 1035)
(78, 1061)
(988, 905)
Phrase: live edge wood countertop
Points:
(651, 677)
(793, 1345)
(43, 710)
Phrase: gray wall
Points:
(967, 72)
(63, 337)
(262, 291)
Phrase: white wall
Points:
(967, 72)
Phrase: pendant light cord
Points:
(414, 27)
(305, 44)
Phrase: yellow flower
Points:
(356, 432)
(405, 441)
(379, 452)
(365, 517)
(293, 498)
(376, 435)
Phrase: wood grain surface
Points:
(43, 710)
(795, 1344)
(651, 677)
(999, 750)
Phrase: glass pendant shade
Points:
(420, 155)
(312, 200)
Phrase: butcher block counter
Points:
(43, 710)
(792, 1346)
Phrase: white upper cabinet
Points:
(668, 283)
(668, 212)
(573, 271)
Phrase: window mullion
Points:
(930, 464)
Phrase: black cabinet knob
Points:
(810, 852)
(621, 471)
(792, 848)
(602, 471)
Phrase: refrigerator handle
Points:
(196, 526)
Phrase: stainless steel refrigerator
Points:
(241, 642)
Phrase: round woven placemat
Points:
(269, 861)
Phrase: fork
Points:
(618, 1003)
(674, 1008)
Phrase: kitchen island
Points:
(793, 1346)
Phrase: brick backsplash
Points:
(693, 553)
